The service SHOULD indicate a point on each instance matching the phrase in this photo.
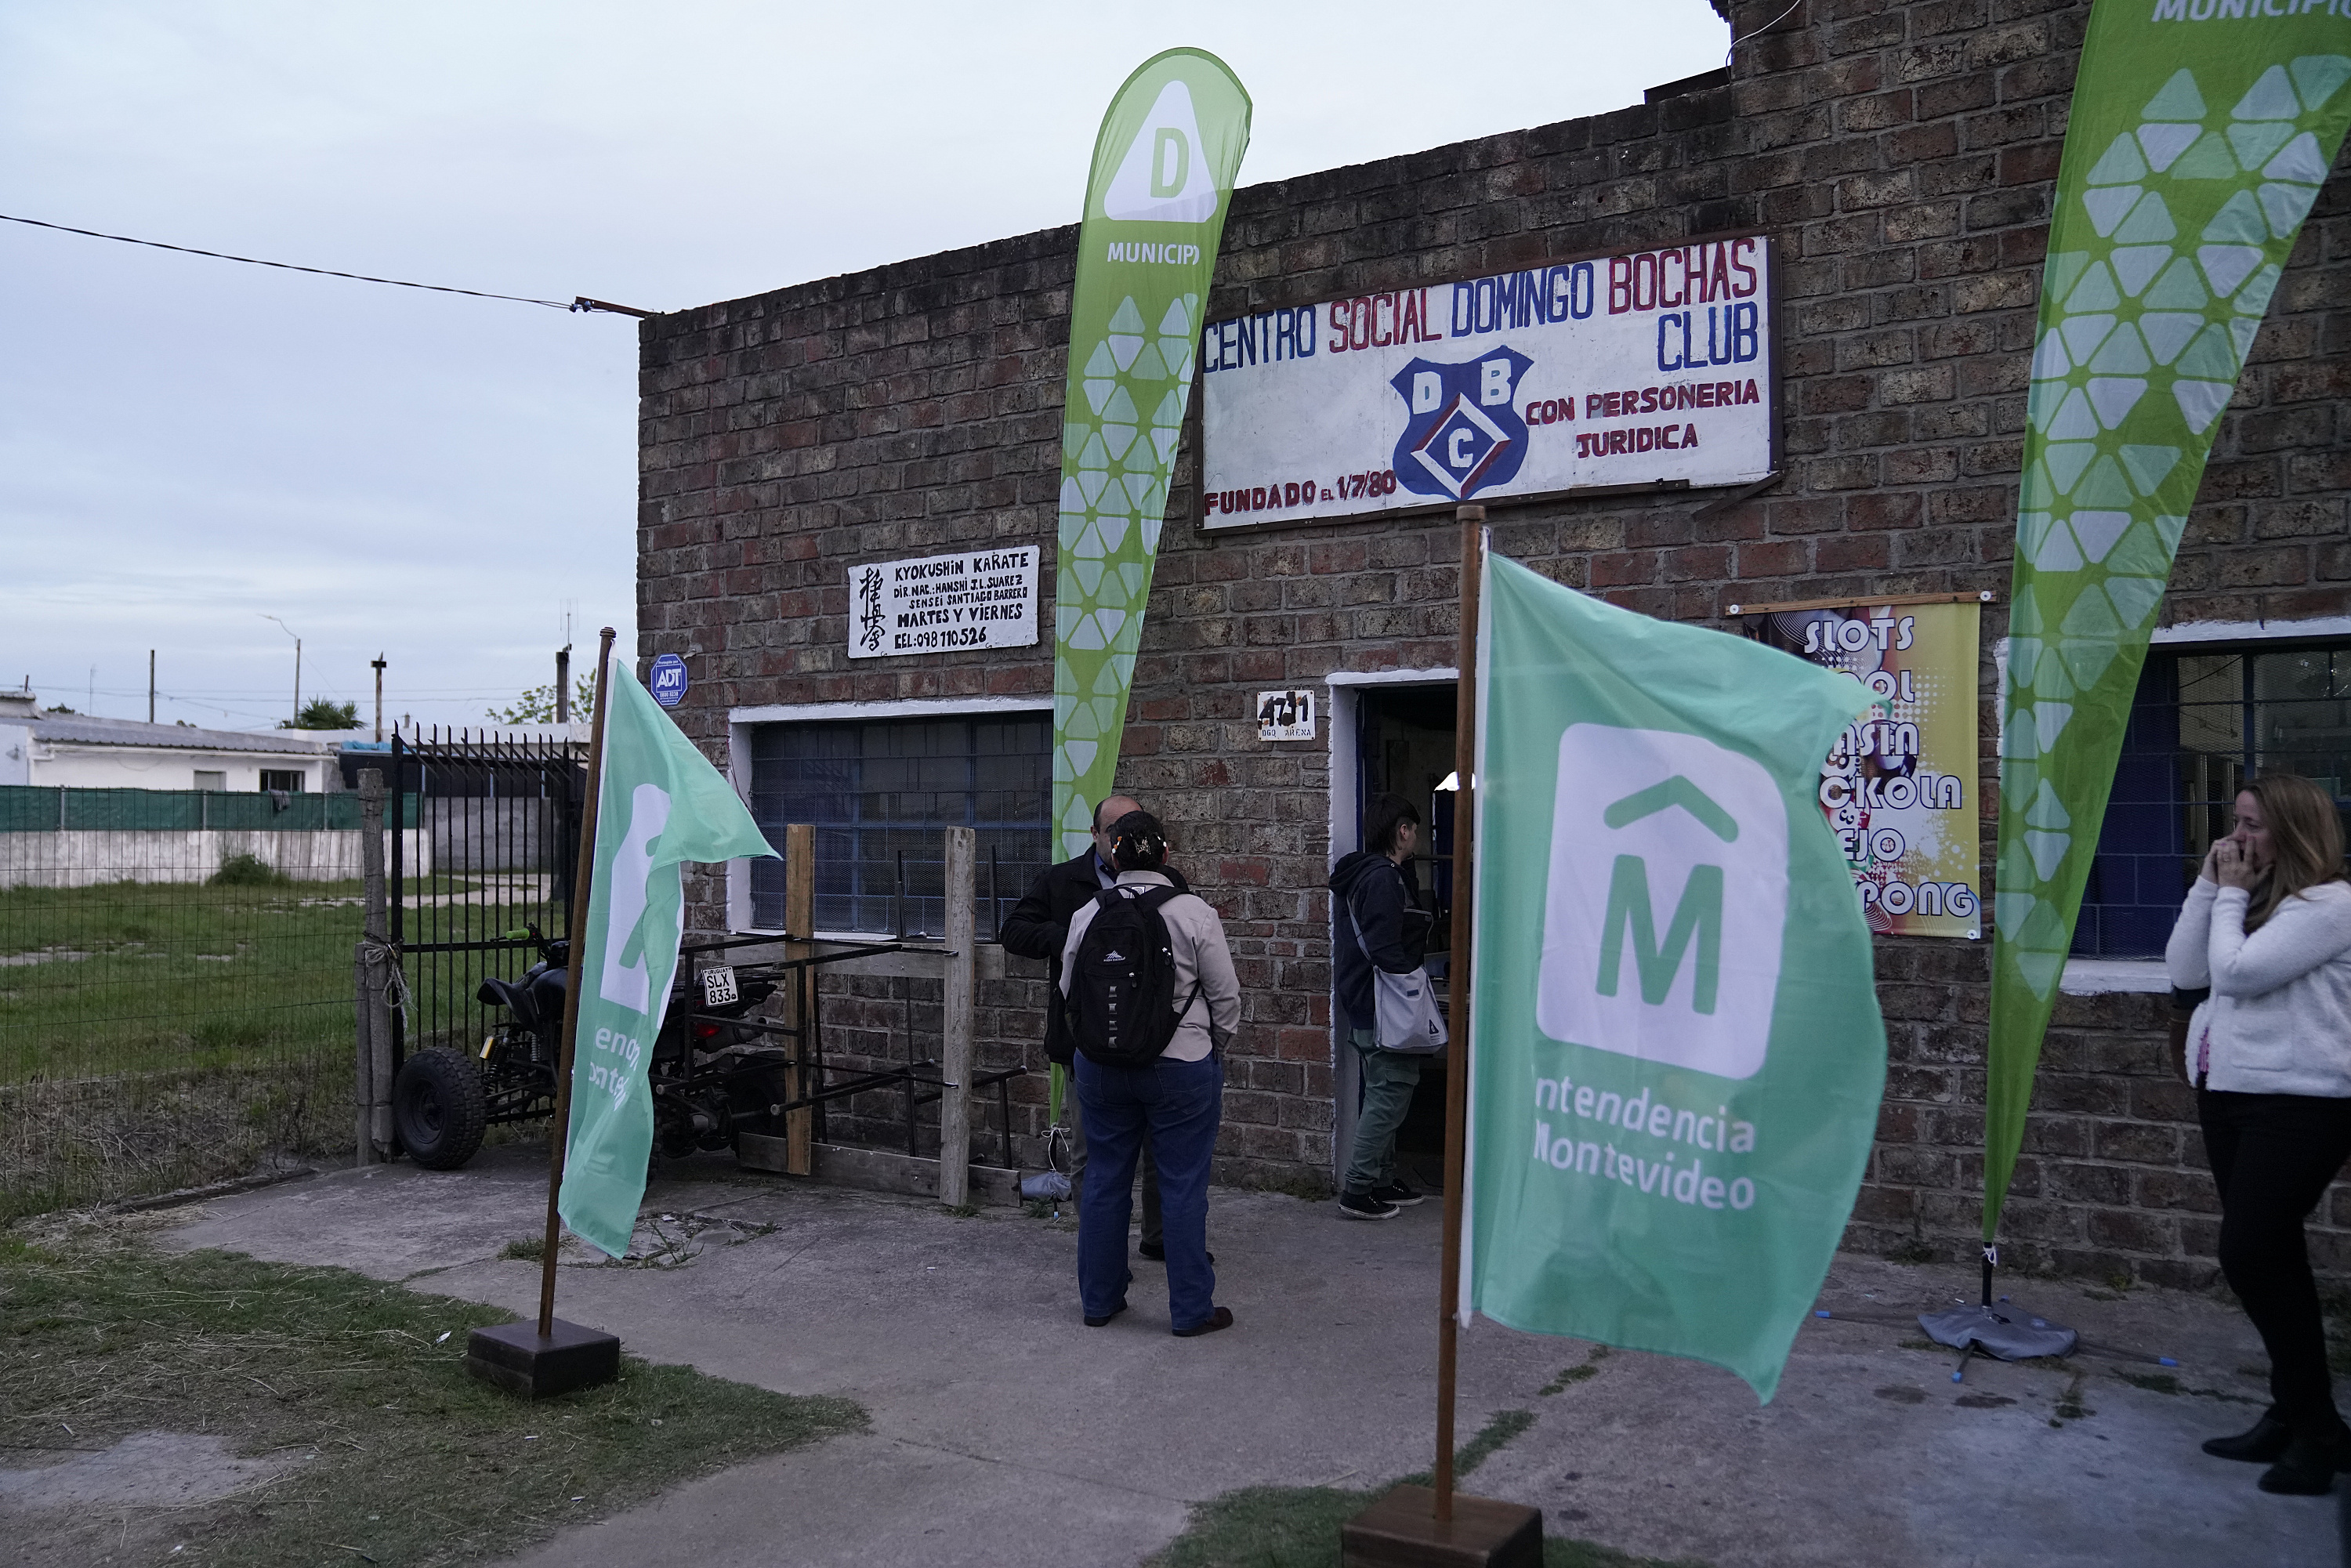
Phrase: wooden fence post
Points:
(373, 968)
(800, 923)
(955, 1019)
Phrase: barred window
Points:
(879, 790)
(2204, 722)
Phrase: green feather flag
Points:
(2199, 136)
(1164, 166)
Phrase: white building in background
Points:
(79, 752)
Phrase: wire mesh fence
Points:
(176, 998)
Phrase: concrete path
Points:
(1003, 1431)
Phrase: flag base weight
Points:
(1401, 1531)
(519, 1359)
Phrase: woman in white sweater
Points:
(2267, 928)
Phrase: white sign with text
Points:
(1643, 369)
(941, 602)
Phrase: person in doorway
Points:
(1377, 922)
(1172, 1105)
(1039, 927)
(2268, 928)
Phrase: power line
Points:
(581, 302)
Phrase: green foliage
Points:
(406, 1459)
(243, 870)
(530, 1249)
(321, 713)
(537, 706)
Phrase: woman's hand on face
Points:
(2230, 866)
(2212, 870)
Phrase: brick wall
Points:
(1902, 158)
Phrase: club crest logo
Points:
(1463, 432)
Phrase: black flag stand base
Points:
(1996, 1328)
(1402, 1529)
(519, 1359)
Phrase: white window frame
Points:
(739, 724)
(2119, 977)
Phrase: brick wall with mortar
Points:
(1902, 158)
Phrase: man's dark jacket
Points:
(1039, 927)
(1385, 905)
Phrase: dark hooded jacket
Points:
(1386, 906)
(1039, 927)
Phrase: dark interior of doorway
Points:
(1405, 737)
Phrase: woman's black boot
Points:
(2261, 1446)
(2312, 1460)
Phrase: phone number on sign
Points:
(939, 637)
(1303, 493)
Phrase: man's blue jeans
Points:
(1177, 1105)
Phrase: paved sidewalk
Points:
(1003, 1431)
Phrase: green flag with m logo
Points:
(1674, 1044)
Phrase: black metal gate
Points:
(497, 821)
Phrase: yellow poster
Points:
(1900, 787)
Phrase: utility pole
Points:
(376, 665)
(150, 685)
(297, 666)
(563, 685)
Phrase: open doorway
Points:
(1401, 739)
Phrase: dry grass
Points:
(403, 1459)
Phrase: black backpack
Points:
(1121, 1007)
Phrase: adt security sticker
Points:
(1667, 900)
(668, 685)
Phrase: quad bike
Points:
(712, 1072)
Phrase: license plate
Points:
(718, 986)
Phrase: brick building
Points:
(1901, 159)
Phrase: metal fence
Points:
(500, 838)
(175, 986)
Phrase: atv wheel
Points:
(438, 1108)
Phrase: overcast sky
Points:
(188, 445)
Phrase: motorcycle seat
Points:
(512, 998)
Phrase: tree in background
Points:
(537, 706)
(321, 713)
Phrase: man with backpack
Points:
(1039, 927)
(1149, 1001)
(1379, 937)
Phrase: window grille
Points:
(879, 790)
(2204, 721)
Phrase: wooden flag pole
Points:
(1456, 1076)
(583, 872)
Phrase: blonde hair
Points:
(2305, 841)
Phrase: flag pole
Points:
(1456, 1076)
(583, 868)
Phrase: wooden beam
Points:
(955, 1020)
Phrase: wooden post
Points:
(559, 1134)
(375, 961)
(1457, 1075)
(954, 1025)
(800, 923)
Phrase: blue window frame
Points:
(2204, 721)
(879, 790)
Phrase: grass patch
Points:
(159, 1035)
(1298, 1527)
(2153, 1382)
(1588, 1367)
(531, 1249)
(404, 1458)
